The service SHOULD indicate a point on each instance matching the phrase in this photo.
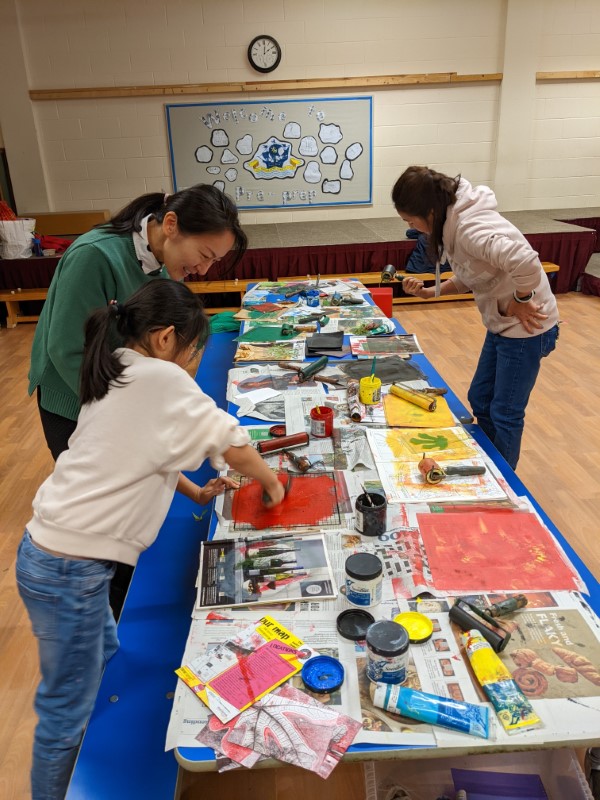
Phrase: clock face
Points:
(264, 53)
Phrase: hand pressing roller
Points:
(433, 473)
(266, 498)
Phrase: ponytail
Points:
(100, 365)
(156, 305)
(200, 209)
(421, 191)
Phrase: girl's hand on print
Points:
(273, 494)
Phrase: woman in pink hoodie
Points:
(492, 258)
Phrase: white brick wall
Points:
(101, 153)
(565, 148)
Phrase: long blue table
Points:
(122, 755)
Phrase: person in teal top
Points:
(155, 236)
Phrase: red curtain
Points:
(571, 251)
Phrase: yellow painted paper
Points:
(441, 444)
(400, 413)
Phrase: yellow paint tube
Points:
(512, 708)
(418, 399)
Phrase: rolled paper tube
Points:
(428, 403)
(282, 443)
(354, 407)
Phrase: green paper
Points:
(264, 333)
(223, 322)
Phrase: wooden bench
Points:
(428, 276)
(366, 278)
(13, 297)
(66, 223)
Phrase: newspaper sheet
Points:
(242, 380)
(403, 483)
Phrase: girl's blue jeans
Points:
(67, 602)
(500, 389)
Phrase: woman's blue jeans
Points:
(67, 602)
(500, 389)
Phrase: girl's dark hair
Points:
(200, 209)
(156, 305)
(420, 191)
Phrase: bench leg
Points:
(12, 312)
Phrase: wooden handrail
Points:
(565, 75)
(251, 87)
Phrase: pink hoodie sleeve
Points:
(505, 248)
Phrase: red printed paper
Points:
(255, 674)
(484, 552)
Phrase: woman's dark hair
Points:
(420, 191)
(200, 209)
(156, 305)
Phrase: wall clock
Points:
(264, 53)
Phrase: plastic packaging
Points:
(370, 518)
(363, 579)
(312, 298)
(321, 421)
(426, 778)
(387, 652)
(512, 708)
(458, 716)
(323, 674)
(370, 390)
(353, 624)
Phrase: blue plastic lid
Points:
(323, 674)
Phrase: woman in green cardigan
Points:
(155, 236)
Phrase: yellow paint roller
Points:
(418, 399)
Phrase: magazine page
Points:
(237, 572)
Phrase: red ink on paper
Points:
(309, 501)
(493, 552)
(254, 674)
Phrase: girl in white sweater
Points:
(491, 257)
(143, 421)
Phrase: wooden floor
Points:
(560, 463)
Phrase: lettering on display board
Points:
(277, 154)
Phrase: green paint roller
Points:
(312, 369)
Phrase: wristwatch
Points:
(525, 299)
